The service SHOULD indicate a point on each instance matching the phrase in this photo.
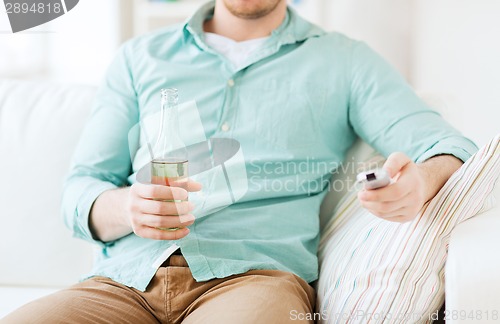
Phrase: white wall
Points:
(17, 55)
(311, 10)
(84, 42)
(384, 24)
(76, 47)
(448, 47)
(457, 52)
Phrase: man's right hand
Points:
(149, 209)
(143, 213)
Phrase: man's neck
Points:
(240, 29)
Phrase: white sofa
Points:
(40, 124)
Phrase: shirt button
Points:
(230, 83)
(225, 127)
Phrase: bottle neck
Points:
(169, 124)
(169, 145)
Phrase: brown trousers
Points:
(173, 296)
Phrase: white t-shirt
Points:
(236, 52)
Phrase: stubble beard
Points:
(247, 10)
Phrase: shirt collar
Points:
(292, 30)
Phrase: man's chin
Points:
(250, 15)
(250, 11)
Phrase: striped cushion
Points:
(373, 269)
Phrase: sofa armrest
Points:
(472, 280)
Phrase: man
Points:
(291, 94)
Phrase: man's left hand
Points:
(414, 185)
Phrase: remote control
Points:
(374, 179)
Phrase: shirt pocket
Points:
(288, 114)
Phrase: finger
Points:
(165, 208)
(158, 234)
(387, 207)
(395, 163)
(151, 191)
(193, 186)
(165, 221)
(390, 215)
(392, 192)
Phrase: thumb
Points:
(395, 163)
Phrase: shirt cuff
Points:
(460, 147)
(87, 190)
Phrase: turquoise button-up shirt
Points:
(295, 107)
